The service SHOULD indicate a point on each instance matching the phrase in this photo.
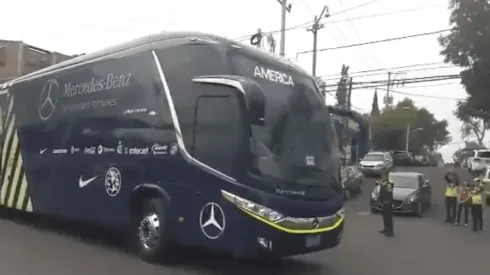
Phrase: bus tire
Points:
(152, 230)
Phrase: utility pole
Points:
(314, 29)
(388, 100)
(349, 95)
(285, 7)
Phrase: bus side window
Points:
(217, 132)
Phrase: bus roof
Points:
(146, 40)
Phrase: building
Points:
(18, 58)
(356, 130)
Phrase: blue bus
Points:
(179, 139)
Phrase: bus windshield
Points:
(296, 148)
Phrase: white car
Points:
(485, 177)
(376, 163)
(479, 160)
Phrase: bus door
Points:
(3, 114)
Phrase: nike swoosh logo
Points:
(82, 183)
(43, 150)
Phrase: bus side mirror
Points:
(250, 90)
(255, 99)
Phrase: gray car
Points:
(376, 163)
(412, 193)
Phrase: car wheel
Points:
(151, 231)
(347, 194)
(419, 209)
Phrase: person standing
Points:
(451, 195)
(463, 203)
(477, 204)
(386, 199)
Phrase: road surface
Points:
(422, 246)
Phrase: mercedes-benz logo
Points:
(212, 220)
(315, 223)
(48, 99)
(113, 181)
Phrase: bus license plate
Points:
(313, 240)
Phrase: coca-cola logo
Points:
(89, 150)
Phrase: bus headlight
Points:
(252, 207)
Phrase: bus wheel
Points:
(152, 230)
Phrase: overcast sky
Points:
(59, 26)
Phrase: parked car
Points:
(403, 158)
(412, 193)
(352, 180)
(486, 182)
(376, 163)
(478, 161)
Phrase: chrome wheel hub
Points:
(148, 230)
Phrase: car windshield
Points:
(483, 154)
(410, 182)
(297, 147)
(373, 157)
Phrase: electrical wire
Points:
(383, 85)
(402, 71)
(377, 41)
(420, 95)
(390, 68)
(369, 16)
(305, 24)
(357, 33)
(406, 81)
(431, 85)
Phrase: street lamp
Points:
(408, 135)
(408, 128)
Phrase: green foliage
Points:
(468, 46)
(375, 107)
(390, 129)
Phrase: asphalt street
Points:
(423, 245)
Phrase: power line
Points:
(391, 68)
(380, 84)
(407, 80)
(303, 25)
(432, 85)
(420, 95)
(352, 19)
(401, 71)
(357, 33)
(377, 41)
(382, 14)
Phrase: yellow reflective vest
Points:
(451, 191)
(477, 198)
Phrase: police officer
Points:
(477, 204)
(451, 195)
(386, 198)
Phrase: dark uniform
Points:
(386, 198)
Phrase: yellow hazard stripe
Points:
(14, 192)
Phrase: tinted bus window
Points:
(217, 132)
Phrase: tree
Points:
(341, 93)
(389, 131)
(474, 123)
(375, 107)
(467, 46)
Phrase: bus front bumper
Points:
(260, 239)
